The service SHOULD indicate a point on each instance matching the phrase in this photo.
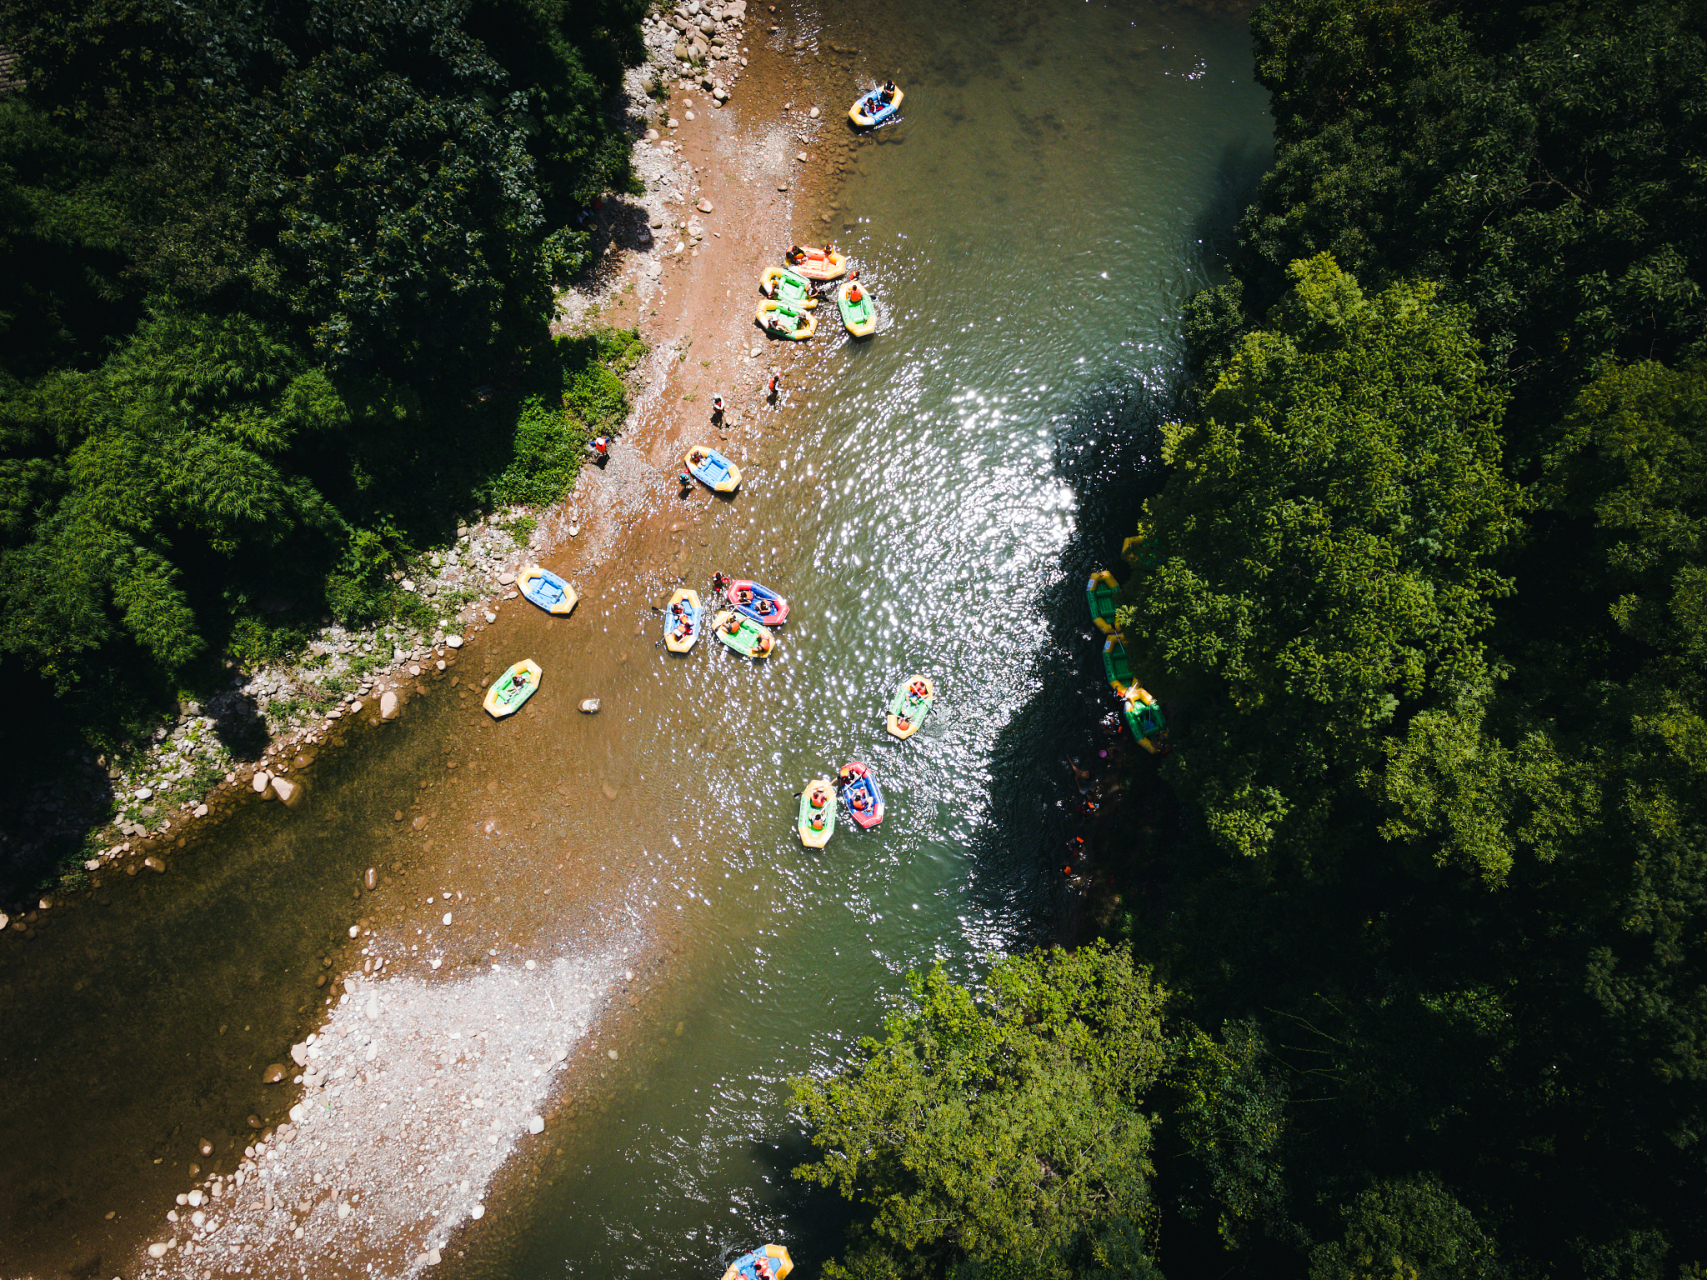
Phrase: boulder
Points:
(590, 705)
(453, 642)
(506, 579)
(388, 705)
(683, 51)
(261, 779)
(704, 205)
(155, 865)
(299, 1054)
(274, 1073)
(287, 791)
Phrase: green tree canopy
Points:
(991, 1126)
(1329, 531)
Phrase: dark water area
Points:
(1063, 176)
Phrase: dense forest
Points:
(275, 287)
(1405, 977)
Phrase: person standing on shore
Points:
(717, 410)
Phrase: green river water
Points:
(1063, 176)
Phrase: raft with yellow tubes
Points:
(777, 1264)
(817, 820)
(790, 286)
(910, 705)
(783, 320)
(858, 315)
(511, 689)
(1100, 594)
(871, 109)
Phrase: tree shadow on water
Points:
(1055, 766)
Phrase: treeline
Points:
(275, 282)
(1420, 920)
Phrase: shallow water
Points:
(1062, 176)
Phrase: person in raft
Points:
(802, 323)
(888, 93)
(918, 688)
(860, 802)
(903, 723)
(733, 626)
(696, 457)
(794, 257)
(845, 775)
(854, 295)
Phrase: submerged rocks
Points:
(287, 791)
(274, 1073)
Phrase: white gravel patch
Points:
(414, 1093)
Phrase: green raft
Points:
(1100, 593)
(749, 639)
(817, 820)
(859, 317)
(1115, 664)
(1144, 717)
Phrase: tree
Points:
(1330, 527)
(1407, 1229)
(995, 1126)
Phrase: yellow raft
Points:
(788, 285)
(679, 638)
(511, 689)
(782, 320)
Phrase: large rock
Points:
(299, 1054)
(274, 1073)
(704, 205)
(388, 705)
(453, 642)
(260, 781)
(287, 791)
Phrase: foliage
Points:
(1409, 1229)
(992, 1126)
(1329, 528)
(252, 260)
(1427, 602)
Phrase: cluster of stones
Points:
(706, 37)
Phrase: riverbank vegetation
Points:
(275, 287)
(1425, 594)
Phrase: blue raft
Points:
(546, 589)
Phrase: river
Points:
(1063, 176)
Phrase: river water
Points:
(1063, 175)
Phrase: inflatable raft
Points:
(777, 1264)
(546, 590)
(785, 320)
(910, 705)
(1115, 664)
(791, 287)
(872, 110)
(817, 820)
(864, 796)
(681, 627)
(857, 313)
(1100, 593)
(821, 264)
(758, 602)
(1143, 715)
(746, 637)
(513, 688)
(712, 469)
